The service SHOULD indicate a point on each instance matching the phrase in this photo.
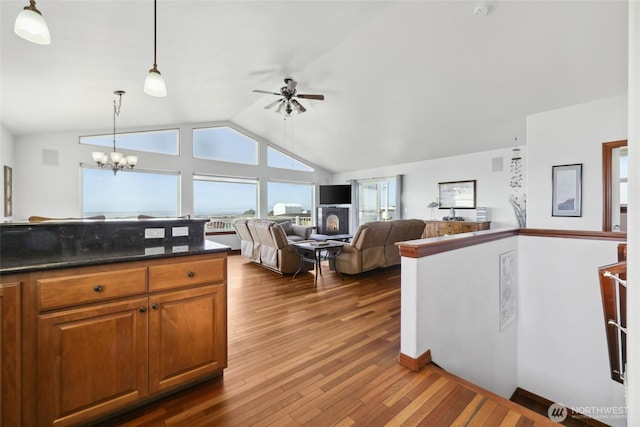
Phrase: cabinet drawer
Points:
(85, 288)
(178, 275)
(466, 228)
(448, 228)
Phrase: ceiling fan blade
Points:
(298, 106)
(308, 96)
(266, 91)
(273, 103)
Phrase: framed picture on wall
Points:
(567, 190)
(8, 191)
(457, 194)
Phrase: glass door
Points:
(377, 200)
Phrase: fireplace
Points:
(332, 220)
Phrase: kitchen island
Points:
(100, 316)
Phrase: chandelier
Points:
(118, 160)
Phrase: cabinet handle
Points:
(98, 288)
(142, 309)
(191, 274)
(155, 306)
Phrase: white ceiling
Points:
(403, 80)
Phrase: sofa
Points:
(373, 245)
(268, 243)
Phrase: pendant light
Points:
(154, 83)
(31, 26)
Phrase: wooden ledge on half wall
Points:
(434, 245)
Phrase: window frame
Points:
(256, 145)
(177, 174)
(121, 147)
(211, 225)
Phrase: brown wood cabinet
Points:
(99, 339)
(10, 404)
(443, 228)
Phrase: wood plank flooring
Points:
(325, 356)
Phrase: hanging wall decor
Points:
(567, 190)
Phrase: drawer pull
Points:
(143, 309)
(155, 306)
(98, 288)
(191, 274)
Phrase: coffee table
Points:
(325, 237)
(316, 252)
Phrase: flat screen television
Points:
(335, 194)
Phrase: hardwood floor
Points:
(324, 356)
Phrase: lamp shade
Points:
(154, 84)
(31, 26)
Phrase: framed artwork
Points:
(8, 191)
(508, 282)
(567, 190)
(457, 194)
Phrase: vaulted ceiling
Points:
(403, 80)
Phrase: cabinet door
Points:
(10, 407)
(92, 361)
(187, 336)
(430, 229)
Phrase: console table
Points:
(442, 228)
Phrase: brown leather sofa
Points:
(266, 242)
(373, 245)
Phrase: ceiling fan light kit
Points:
(31, 26)
(288, 104)
(481, 10)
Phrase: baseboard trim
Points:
(415, 364)
(521, 393)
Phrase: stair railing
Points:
(613, 288)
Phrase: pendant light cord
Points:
(155, 34)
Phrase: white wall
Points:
(6, 159)
(420, 184)
(53, 188)
(562, 347)
(633, 277)
(567, 136)
(450, 305)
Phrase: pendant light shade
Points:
(154, 83)
(31, 26)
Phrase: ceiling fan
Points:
(287, 103)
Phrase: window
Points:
(161, 141)
(277, 159)
(224, 200)
(129, 194)
(378, 199)
(224, 144)
(290, 200)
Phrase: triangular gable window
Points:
(277, 159)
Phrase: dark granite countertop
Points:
(10, 264)
(27, 247)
